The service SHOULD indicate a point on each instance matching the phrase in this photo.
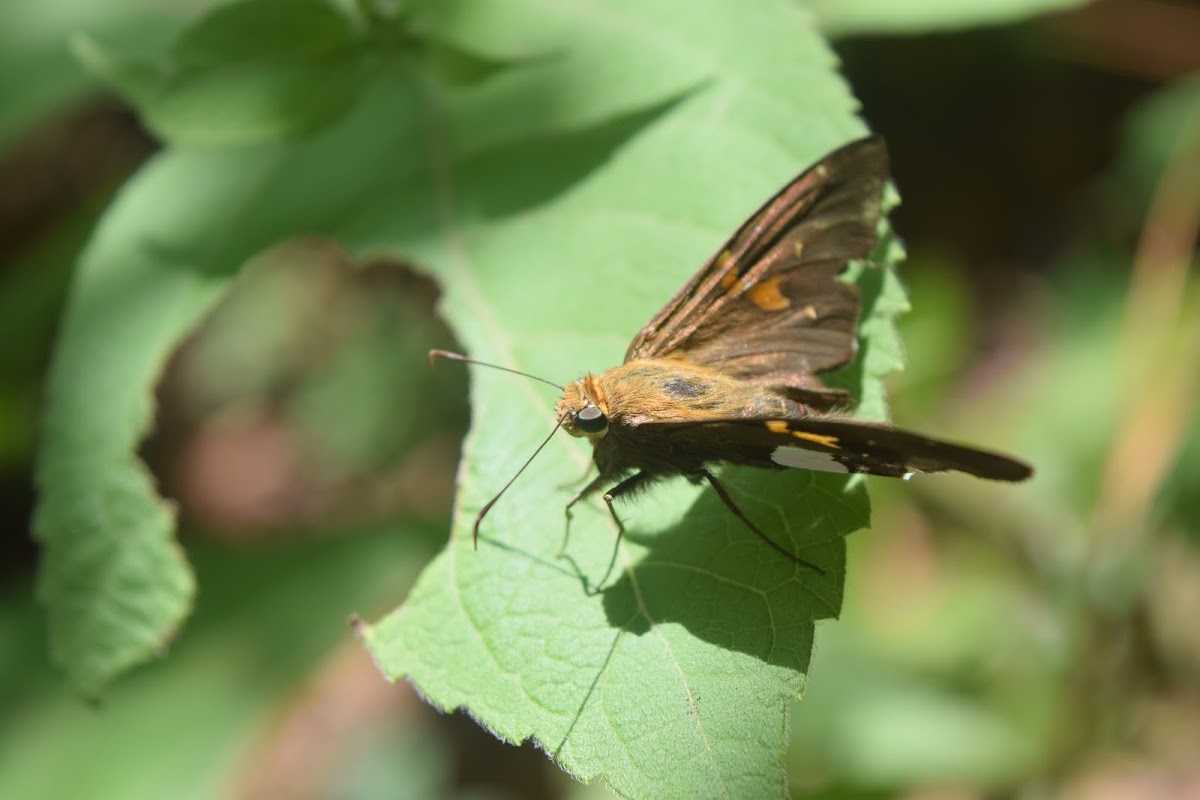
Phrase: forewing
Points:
(769, 306)
(833, 444)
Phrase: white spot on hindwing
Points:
(799, 458)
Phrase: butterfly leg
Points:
(630, 484)
(593, 486)
(580, 479)
(723, 493)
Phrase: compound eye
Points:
(591, 420)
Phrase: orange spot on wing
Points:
(777, 426)
(729, 278)
(766, 295)
(822, 439)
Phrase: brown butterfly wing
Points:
(768, 307)
(828, 444)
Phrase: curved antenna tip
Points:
(434, 355)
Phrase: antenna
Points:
(488, 506)
(435, 354)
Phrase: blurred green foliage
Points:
(1028, 642)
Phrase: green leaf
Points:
(269, 625)
(247, 72)
(37, 72)
(112, 578)
(674, 680)
(875, 17)
(560, 201)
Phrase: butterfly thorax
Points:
(651, 415)
(648, 391)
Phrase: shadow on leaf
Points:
(712, 575)
(518, 175)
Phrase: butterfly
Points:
(727, 372)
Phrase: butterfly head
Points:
(583, 409)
